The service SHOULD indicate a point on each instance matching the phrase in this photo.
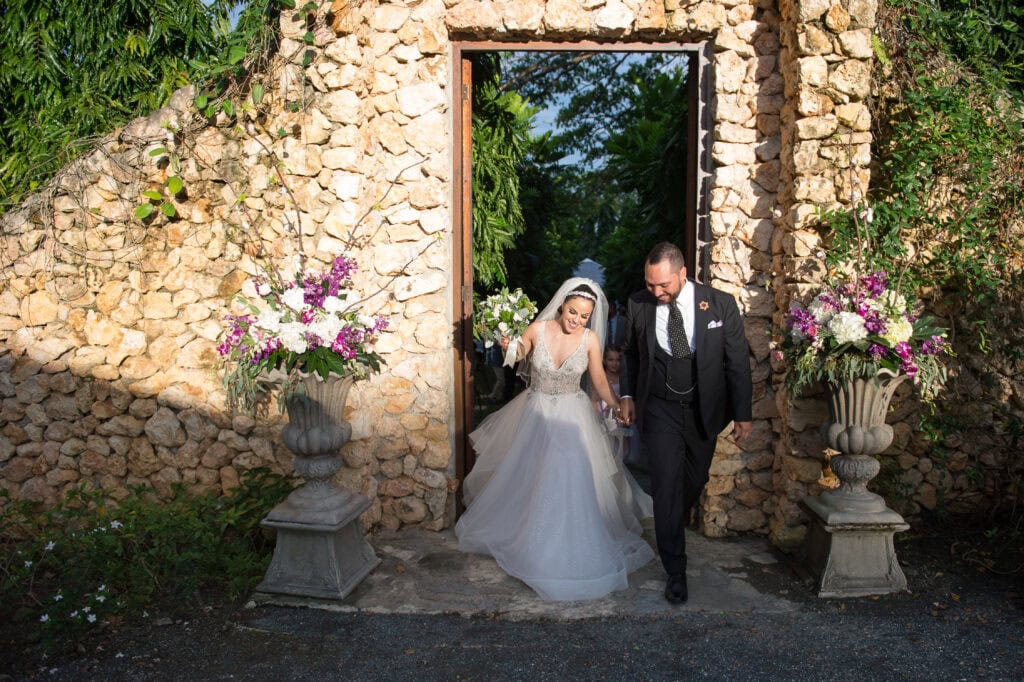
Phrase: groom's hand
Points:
(740, 430)
(627, 415)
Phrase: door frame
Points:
(697, 247)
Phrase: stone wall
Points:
(109, 325)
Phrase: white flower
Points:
(327, 328)
(103, 588)
(100, 598)
(847, 327)
(115, 524)
(333, 304)
(50, 545)
(58, 597)
(43, 618)
(294, 298)
(293, 337)
(91, 618)
(822, 311)
(262, 289)
(894, 301)
(897, 330)
(269, 320)
(28, 564)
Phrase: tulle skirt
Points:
(549, 501)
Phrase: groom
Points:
(687, 375)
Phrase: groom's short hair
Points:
(666, 251)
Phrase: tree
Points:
(73, 69)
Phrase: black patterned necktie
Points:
(677, 333)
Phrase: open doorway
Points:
(638, 171)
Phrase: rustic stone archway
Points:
(118, 384)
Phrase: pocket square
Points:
(715, 324)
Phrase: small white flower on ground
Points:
(101, 598)
(28, 564)
(115, 524)
(91, 618)
(43, 618)
(102, 588)
(58, 596)
(50, 545)
(333, 304)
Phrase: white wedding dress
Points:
(546, 498)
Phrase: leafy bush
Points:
(89, 559)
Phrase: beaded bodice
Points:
(547, 378)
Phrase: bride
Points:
(546, 497)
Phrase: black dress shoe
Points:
(675, 589)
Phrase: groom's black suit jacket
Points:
(724, 389)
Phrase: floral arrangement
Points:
(857, 328)
(305, 325)
(502, 314)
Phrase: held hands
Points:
(625, 412)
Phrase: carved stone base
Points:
(321, 552)
(851, 553)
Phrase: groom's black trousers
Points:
(679, 454)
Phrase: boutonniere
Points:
(703, 305)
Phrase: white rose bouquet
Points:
(856, 328)
(307, 324)
(502, 314)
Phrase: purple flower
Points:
(877, 350)
(874, 283)
(933, 346)
(873, 322)
(802, 320)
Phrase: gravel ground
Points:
(957, 624)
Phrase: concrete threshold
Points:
(423, 572)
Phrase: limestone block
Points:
(130, 342)
(814, 189)
(420, 99)
(852, 77)
(856, 43)
(729, 154)
(746, 519)
(614, 18)
(812, 40)
(406, 288)
(734, 133)
(854, 115)
(164, 429)
(39, 308)
(801, 469)
(812, 71)
(862, 13)
(729, 41)
(434, 331)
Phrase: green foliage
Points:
(75, 69)
(90, 559)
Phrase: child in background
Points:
(625, 439)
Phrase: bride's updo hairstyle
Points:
(582, 291)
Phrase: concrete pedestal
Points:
(321, 551)
(851, 553)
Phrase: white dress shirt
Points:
(686, 306)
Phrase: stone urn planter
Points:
(849, 545)
(321, 551)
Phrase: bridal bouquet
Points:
(304, 325)
(502, 314)
(858, 327)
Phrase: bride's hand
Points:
(504, 343)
